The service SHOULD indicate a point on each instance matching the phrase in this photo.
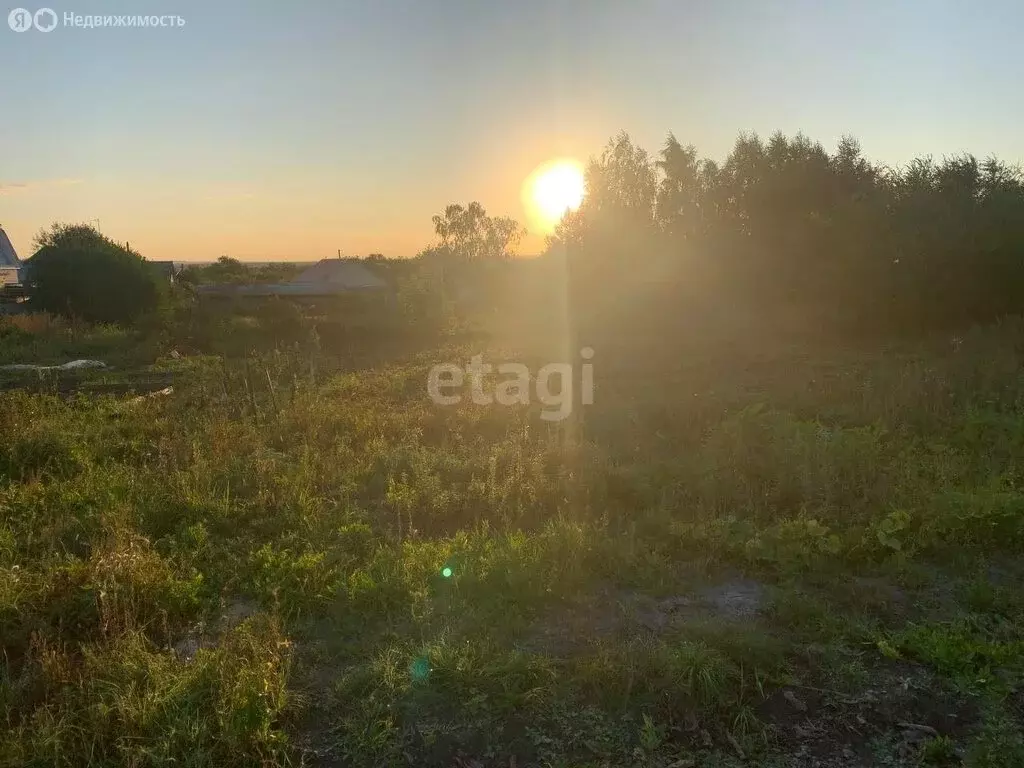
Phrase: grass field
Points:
(785, 557)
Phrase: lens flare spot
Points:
(419, 670)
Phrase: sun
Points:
(551, 191)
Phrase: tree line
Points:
(781, 225)
(785, 224)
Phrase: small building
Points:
(10, 265)
(339, 275)
(330, 277)
(12, 276)
(164, 270)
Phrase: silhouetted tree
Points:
(468, 233)
(785, 225)
(682, 193)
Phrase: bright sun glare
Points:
(552, 190)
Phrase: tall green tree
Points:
(683, 190)
(622, 188)
(468, 233)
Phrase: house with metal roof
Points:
(330, 277)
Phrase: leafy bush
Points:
(82, 274)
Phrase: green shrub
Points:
(79, 273)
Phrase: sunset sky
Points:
(287, 130)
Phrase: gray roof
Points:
(325, 278)
(342, 274)
(165, 269)
(8, 257)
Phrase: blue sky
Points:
(292, 129)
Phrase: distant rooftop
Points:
(8, 256)
(325, 278)
(342, 273)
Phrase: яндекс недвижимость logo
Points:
(22, 19)
(46, 20)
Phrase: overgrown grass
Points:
(276, 565)
(46, 339)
